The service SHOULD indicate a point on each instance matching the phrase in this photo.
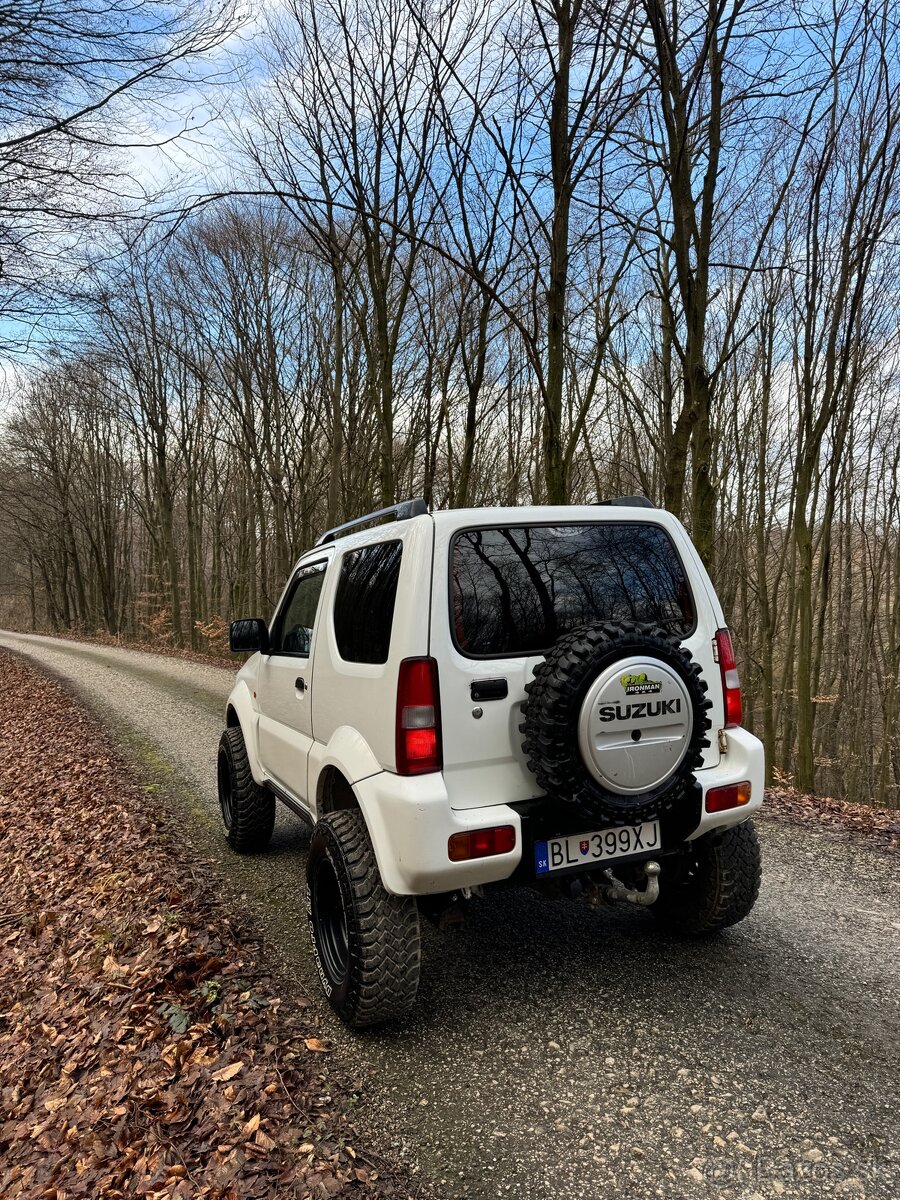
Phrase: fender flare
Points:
(347, 752)
(241, 710)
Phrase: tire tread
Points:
(727, 889)
(252, 806)
(385, 945)
(555, 693)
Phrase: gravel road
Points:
(558, 1052)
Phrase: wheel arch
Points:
(336, 767)
(334, 792)
(240, 713)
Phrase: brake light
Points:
(735, 795)
(481, 843)
(731, 683)
(418, 717)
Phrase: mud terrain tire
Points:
(712, 884)
(366, 942)
(552, 712)
(248, 811)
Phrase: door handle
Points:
(489, 689)
(300, 683)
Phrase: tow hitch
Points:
(618, 891)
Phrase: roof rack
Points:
(628, 502)
(400, 512)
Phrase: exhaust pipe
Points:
(618, 891)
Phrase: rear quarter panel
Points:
(360, 698)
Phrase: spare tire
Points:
(616, 722)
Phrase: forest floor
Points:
(144, 1049)
(878, 827)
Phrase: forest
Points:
(537, 251)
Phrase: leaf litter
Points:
(144, 1051)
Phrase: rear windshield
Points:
(516, 589)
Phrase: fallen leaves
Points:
(228, 1072)
(160, 648)
(144, 1050)
(878, 826)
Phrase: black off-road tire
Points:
(366, 942)
(248, 810)
(555, 697)
(712, 884)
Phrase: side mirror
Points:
(248, 635)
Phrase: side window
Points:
(364, 602)
(294, 627)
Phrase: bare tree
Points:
(847, 267)
(722, 138)
(77, 81)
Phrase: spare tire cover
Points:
(616, 721)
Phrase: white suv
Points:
(539, 696)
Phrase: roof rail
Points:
(400, 512)
(628, 502)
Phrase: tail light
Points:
(481, 843)
(735, 795)
(731, 683)
(418, 717)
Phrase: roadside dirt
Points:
(144, 1050)
(230, 662)
(877, 827)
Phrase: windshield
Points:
(516, 589)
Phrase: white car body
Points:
(341, 724)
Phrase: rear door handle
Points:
(489, 689)
(300, 683)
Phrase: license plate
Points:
(587, 849)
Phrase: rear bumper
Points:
(410, 822)
(745, 758)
